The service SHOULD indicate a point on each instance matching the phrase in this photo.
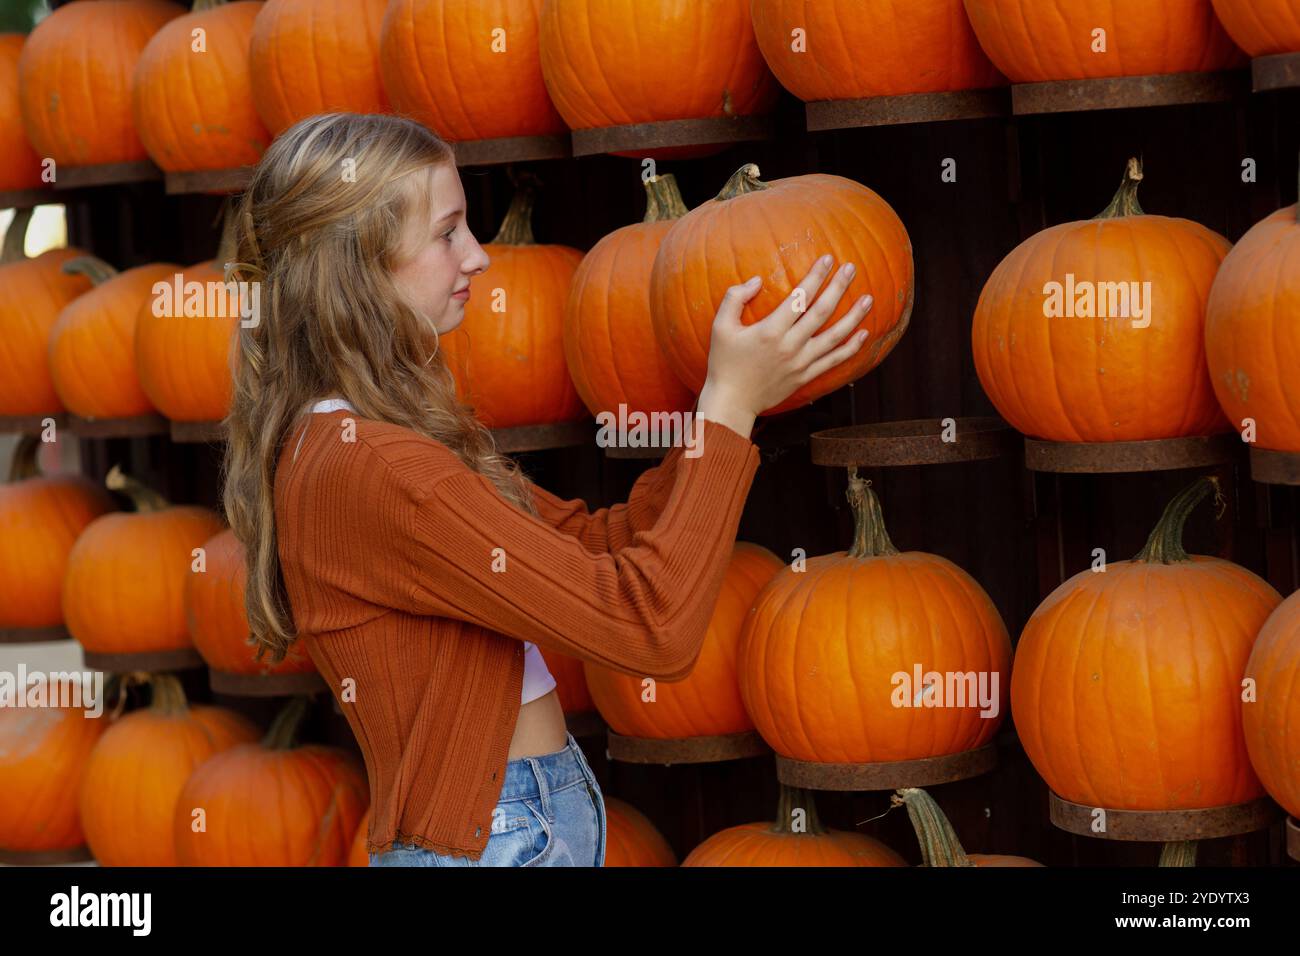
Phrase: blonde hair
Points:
(322, 245)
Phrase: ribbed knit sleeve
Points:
(642, 609)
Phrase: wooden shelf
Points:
(265, 685)
(889, 775)
(668, 751)
(178, 659)
(27, 198)
(110, 174)
(31, 424)
(683, 132)
(76, 854)
(197, 432)
(34, 635)
(1275, 467)
(138, 426)
(1126, 92)
(916, 442)
(1164, 826)
(908, 108)
(511, 149)
(1279, 72)
(234, 180)
(542, 437)
(1100, 458)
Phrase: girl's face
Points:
(439, 253)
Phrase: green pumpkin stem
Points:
(797, 798)
(1125, 202)
(168, 696)
(663, 200)
(1165, 545)
(938, 840)
(23, 464)
(744, 180)
(1178, 853)
(16, 237)
(96, 270)
(870, 538)
(144, 497)
(517, 228)
(283, 734)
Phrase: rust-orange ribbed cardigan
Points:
(387, 544)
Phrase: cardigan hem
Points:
(424, 843)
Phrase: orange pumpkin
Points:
(507, 355)
(631, 839)
(871, 651)
(1059, 39)
(466, 70)
(1252, 331)
(40, 519)
(570, 682)
(796, 838)
(609, 341)
(1127, 686)
(1261, 27)
(1271, 721)
(133, 781)
(43, 757)
(1059, 344)
(92, 344)
(849, 49)
(777, 231)
(124, 590)
(316, 56)
(939, 843)
(359, 855)
(36, 290)
(74, 77)
(20, 167)
(194, 108)
(274, 803)
(217, 621)
(708, 701)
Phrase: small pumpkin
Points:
(707, 702)
(939, 843)
(274, 803)
(1261, 27)
(796, 838)
(1271, 720)
(777, 230)
(136, 772)
(1059, 344)
(20, 167)
(631, 839)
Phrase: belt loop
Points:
(543, 788)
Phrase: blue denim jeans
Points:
(550, 813)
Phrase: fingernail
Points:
(826, 261)
(752, 280)
(862, 336)
(849, 269)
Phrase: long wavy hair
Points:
(319, 227)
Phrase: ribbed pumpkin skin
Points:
(778, 233)
(265, 807)
(608, 64)
(75, 74)
(1126, 691)
(1072, 379)
(510, 365)
(631, 839)
(854, 49)
(440, 68)
(1261, 27)
(821, 646)
(217, 621)
(1252, 331)
(756, 844)
(92, 346)
(43, 754)
(20, 167)
(316, 56)
(359, 855)
(131, 786)
(570, 682)
(194, 110)
(36, 290)
(1272, 722)
(609, 340)
(40, 520)
(183, 361)
(708, 701)
(1041, 40)
(124, 591)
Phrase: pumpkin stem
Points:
(283, 734)
(939, 843)
(1165, 545)
(201, 5)
(144, 497)
(517, 228)
(23, 464)
(744, 180)
(870, 538)
(790, 800)
(663, 200)
(1178, 853)
(96, 270)
(15, 237)
(168, 694)
(1125, 202)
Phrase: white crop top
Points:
(538, 680)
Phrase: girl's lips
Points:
(463, 294)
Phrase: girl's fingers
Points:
(817, 312)
(835, 357)
(796, 304)
(823, 342)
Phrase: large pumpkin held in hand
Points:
(20, 167)
(777, 231)
(1035, 41)
(1271, 719)
(939, 843)
(848, 49)
(1094, 331)
(75, 79)
(1261, 27)
(1127, 685)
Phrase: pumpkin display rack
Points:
(685, 750)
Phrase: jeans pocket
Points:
(538, 850)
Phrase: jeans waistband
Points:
(526, 777)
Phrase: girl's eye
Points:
(448, 234)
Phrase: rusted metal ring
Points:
(76, 854)
(541, 437)
(916, 442)
(586, 723)
(1161, 454)
(233, 180)
(1275, 467)
(107, 174)
(31, 424)
(649, 451)
(185, 432)
(136, 426)
(669, 751)
(1125, 92)
(1164, 826)
(1278, 72)
(510, 149)
(178, 659)
(907, 108)
(681, 132)
(265, 685)
(33, 635)
(888, 775)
